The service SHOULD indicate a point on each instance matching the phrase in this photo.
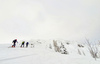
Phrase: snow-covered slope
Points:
(41, 53)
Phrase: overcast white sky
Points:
(48, 19)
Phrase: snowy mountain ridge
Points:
(48, 52)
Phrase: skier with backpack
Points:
(27, 44)
(22, 45)
(14, 42)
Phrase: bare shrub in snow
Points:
(83, 53)
(79, 45)
(79, 52)
(93, 50)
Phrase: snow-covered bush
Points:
(61, 49)
(50, 46)
(56, 47)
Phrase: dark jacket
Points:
(14, 41)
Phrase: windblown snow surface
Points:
(42, 54)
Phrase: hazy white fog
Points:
(48, 19)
